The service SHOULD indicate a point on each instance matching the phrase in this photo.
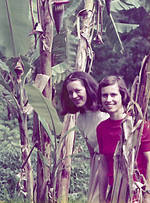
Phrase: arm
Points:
(147, 155)
(147, 195)
(103, 183)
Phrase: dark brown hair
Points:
(91, 87)
(111, 80)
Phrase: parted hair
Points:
(91, 87)
(111, 80)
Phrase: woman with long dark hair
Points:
(79, 94)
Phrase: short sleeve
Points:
(145, 140)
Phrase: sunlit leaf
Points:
(118, 5)
(4, 83)
(59, 72)
(44, 108)
(4, 66)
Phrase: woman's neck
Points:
(119, 115)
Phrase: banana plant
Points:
(13, 74)
(23, 21)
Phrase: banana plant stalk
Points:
(26, 173)
(64, 154)
(85, 28)
(44, 141)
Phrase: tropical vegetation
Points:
(41, 42)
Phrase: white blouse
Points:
(87, 123)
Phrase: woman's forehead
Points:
(110, 88)
(75, 84)
(76, 80)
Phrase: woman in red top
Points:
(113, 98)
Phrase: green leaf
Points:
(65, 45)
(59, 72)
(146, 5)
(44, 108)
(119, 5)
(4, 83)
(4, 66)
(71, 46)
(59, 48)
(72, 8)
(15, 26)
(44, 159)
(45, 125)
(123, 27)
(27, 68)
(112, 33)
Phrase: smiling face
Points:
(112, 101)
(77, 93)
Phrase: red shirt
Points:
(108, 135)
(144, 147)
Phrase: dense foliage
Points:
(136, 45)
(10, 152)
(10, 162)
(80, 171)
(10, 159)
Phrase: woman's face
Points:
(112, 100)
(77, 93)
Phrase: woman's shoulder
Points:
(88, 118)
(84, 117)
(93, 114)
(103, 115)
(91, 117)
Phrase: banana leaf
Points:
(15, 26)
(118, 5)
(44, 108)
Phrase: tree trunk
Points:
(44, 142)
(64, 154)
(85, 33)
(26, 172)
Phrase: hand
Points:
(146, 198)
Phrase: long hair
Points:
(111, 80)
(91, 87)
